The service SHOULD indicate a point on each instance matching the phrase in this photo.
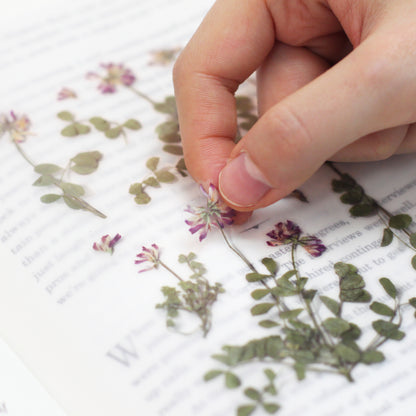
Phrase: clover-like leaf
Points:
(152, 163)
(100, 123)
(388, 329)
(331, 304)
(113, 132)
(66, 116)
(173, 149)
(400, 222)
(49, 198)
(382, 309)
(270, 265)
(132, 124)
(47, 168)
(165, 176)
(261, 308)
(210, 375)
(387, 237)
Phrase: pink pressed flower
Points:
(215, 214)
(66, 93)
(116, 74)
(312, 245)
(150, 255)
(107, 243)
(17, 126)
(284, 233)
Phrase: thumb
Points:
(367, 91)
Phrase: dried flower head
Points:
(66, 93)
(215, 214)
(150, 255)
(115, 74)
(107, 243)
(312, 245)
(163, 56)
(17, 126)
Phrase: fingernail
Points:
(241, 183)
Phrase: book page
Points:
(85, 321)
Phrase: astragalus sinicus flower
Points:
(107, 243)
(149, 255)
(66, 93)
(114, 75)
(216, 214)
(289, 233)
(17, 126)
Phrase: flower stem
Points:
(23, 153)
(165, 266)
(142, 95)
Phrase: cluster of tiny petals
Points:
(216, 214)
(289, 233)
(149, 255)
(107, 243)
(115, 74)
(17, 126)
(66, 93)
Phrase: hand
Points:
(336, 81)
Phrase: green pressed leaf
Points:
(412, 240)
(388, 287)
(132, 124)
(285, 287)
(331, 304)
(114, 132)
(351, 284)
(82, 128)
(136, 188)
(167, 107)
(181, 165)
(382, 309)
(83, 170)
(353, 196)
(347, 354)
(165, 176)
(246, 410)
(274, 346)
(388, 330)
(352, 334)
(99, 123)
(252, 394)
(152, 181)
(212, 374)
(289, 274)
(72, 203)
(152, 163)
(412, 302)
(261, 308)
(231, 380)
(413, 262)
(142, 198)
(47, 168)
(401, 221)
(270, 374)
(44, 180)
(255, 277)
(168, 132)
(69, 131)
(300, 371)
(293, 314)
(173, 149)
(363, 210)
(271, 408)
(309, 295)
(372, 357)
(49, 198)
(336, 326)
(387, 237)
(267, 323)
(344, 184)
(87, 158)
(72, 189)
(244, 104)
(259, 293)
(270, 265)
(66, 116)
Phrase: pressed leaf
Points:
(69, 131)
(372, 357)
(387, 237)
(114, 132)
(152, 181)
(309, 295)
(344, 184)
(363, 210)
(331, 304)
(412, 240)
(49, 198)
(136, 188)
(382, 309)
(168, 132)
(412, 302)
(413, 261)
(173, 149)
(268, 323)
(87, 158)
(165, 176)
(300, 371)
(82, 128)
(142, 198)
(152, 163)
(72, 189)
(347, 354)
(293, 314)
(72, 203)
(244, 104)
(181, 165)
(212, 374)
(252, 394)
(47, 168)
(246, 410)
(352, 334)
(270, 374)
(388, 330)
(336, 326)
(132, 124)
(353, 196)
(261, 308)
(44, 180)
(99, 123)
(401, 221)
(270, 265)
(259, 293)
(289, 274)
(271, 408)
(65, 115)
(389, 287)
(83, 170)
(255, 277)
(168, 107)
(231, 380)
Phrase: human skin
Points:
(336, 80)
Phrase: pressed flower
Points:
(215, 214)
(66, 93)
(284, 233)
(107, 243)
(163, 56)
(115, 74)
(17, 126)
(149, 255)
(312, 245)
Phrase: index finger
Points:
(232, 41)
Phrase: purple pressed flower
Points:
(116, 74)
(17, 126)
(150, 255)
(66, 93)
(107, 243)
(284, 233)
(312, 245)
(215, 214)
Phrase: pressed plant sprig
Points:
(50, 174)
(364, 205)
(194, 295)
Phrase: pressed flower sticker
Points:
(113, 76)
(107, 243)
